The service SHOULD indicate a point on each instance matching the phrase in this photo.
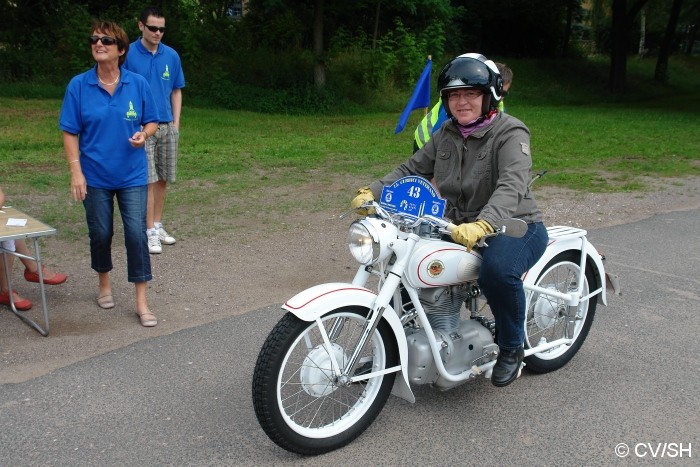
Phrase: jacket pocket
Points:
(482, 166)
(444, 164)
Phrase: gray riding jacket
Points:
(484, 176)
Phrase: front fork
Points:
(371, 323)
(389, 286)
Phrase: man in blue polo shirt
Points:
(162, 68)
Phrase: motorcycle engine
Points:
(463, 343)
(443, 305)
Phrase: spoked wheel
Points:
(300, 402)
(549, 318)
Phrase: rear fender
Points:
(316, 301)
(573, 245)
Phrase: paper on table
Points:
(13, 222)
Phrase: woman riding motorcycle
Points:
(480, 162)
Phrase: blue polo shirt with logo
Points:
(162, 70)
(104, 123)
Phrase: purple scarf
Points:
(476, 125)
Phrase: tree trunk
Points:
(320, 65)
(567, 32)
(642, 34)
(618, 53)
(621, 22)
(661, 72)
(690, 35)
(376, 25)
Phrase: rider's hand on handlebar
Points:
(364, 196)
(469, 234)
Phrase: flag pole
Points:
(425, 109)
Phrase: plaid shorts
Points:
(161, 150)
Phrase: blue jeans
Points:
(99, 213)
(505, 261)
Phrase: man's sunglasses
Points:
(155, 28)
(106, 40)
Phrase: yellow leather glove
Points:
(364, 195)
(469, 234)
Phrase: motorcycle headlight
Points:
(362, 246)
(367, 241)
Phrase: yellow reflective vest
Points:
(424, 130)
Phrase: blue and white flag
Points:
(420, 98)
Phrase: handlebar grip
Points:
(450, 227)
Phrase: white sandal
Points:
(148, 319)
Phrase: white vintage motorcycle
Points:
(327, 368)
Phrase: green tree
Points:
(661, 35)
(375, 17)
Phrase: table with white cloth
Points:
(34, 230)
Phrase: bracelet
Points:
(146, 134)
(74, 160)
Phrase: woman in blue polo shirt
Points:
(108, 113)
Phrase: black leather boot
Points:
(507, 366)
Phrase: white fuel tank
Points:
(436, 263)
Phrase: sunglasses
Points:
(155, 28)
(106, 40)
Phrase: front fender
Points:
(574, 245)
(318, 300)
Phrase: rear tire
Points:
(549, 318)
(298, 401)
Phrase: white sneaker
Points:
(154, 247)
(165, 237)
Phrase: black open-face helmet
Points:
(472, 71)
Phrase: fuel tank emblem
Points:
(435, 268)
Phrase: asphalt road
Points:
(184, 398)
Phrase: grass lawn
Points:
(236, 163)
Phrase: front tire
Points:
(299, 402)
(549, 318)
